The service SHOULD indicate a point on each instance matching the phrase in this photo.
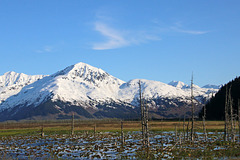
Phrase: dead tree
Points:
(42, 132)
(184, 138)
(204, 123)
(122, 134)
(72, 128)
(234, 127)
(192, 128)
(239, 120)
(142, 109)
(175, 132)
(144, 117)
(161, 131)
(230, 104)
(231, 118)
(188, 129)
(94, 130)
(146, 126)
(226, 115)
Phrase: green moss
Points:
(13, 132)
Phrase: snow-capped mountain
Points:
(93, 93)
(11, 83)
(79, 82)
(212, 86)
(179, 84)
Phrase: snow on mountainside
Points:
(201, 94)
(82, 81)
(182, 85)
(178, 84)
(76, 83)
(11, 83)
(151, 89)
(93, 92)
(212, 86)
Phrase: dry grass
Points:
(64, 126)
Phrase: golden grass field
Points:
(114, 125)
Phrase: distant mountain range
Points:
(212, 86)
(90, 92)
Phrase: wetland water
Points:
(107, 145)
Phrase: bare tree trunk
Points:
(234, 127)
(184, 129)
(188, 129)
(94, 130)
(192, 128)
(142, 109)
(180, 139)
(146, 124)
(231, 115)
(144, 118)
(162, 132)
(204, 124)
(239, 120)
(72, 128)
(179, 127)
(226, 115)
(175, 132)
(122, 134)
(42, 132)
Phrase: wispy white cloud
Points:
(178, 27)
(117, 38)
(45, 49)
(193, 32)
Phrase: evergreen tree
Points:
(216, 106)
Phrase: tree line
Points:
(229, 94)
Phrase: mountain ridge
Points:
(11, 83)
(95, 92)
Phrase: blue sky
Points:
(161, 40)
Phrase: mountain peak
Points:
(87, 73)
(86, 68)
(178, 84)
(83, 67)
(9, 72)
(212, 86)
(83, 87)
(11, 78)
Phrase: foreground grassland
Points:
(168, 140)
(110, 125)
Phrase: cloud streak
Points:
(117, 39)
(193, 32)
(46, 49)
(178, 27)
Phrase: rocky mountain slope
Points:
(90, 92)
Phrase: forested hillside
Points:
(216, 106)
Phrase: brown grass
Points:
(103, 125)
